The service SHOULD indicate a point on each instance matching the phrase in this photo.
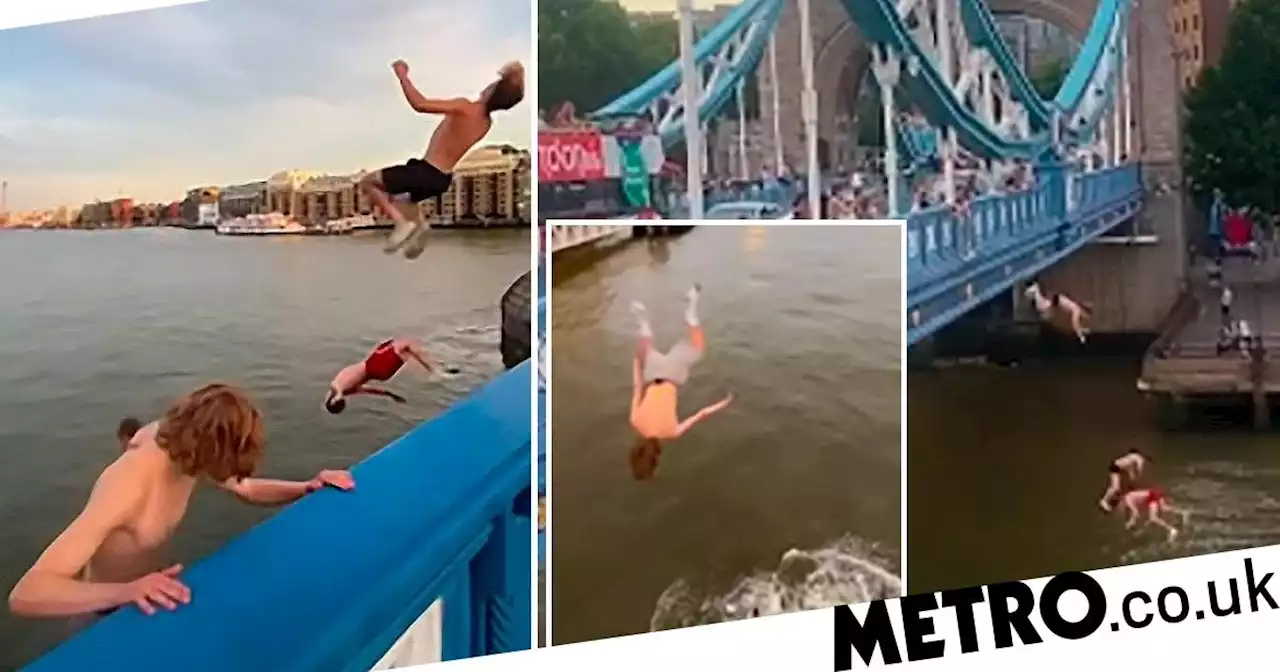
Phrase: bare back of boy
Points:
(155, 498)
(456, 134)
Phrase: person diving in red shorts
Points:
(381, 364)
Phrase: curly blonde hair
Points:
(215, 431)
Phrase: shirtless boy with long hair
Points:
(465, 122)
(111, 555)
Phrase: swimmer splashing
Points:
(1154, 502)
(465, 123)
(655, 378)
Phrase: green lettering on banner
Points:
(635, 173)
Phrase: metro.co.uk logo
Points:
(1010, 609)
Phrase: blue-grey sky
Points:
(152, 103)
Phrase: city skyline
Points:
(150, 104)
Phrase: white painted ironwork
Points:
(690, 83)
(742, 132)
(809, 105)
(887, 68)
(777, 112)
(669, 107)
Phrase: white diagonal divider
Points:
(21, 14)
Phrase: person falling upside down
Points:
(1155, 502)
(656, 377)
(381, 364)
(111, 554)
(465, 123)
(1047, 305)
(1123, 473)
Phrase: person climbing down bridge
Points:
(381, 365)
(1124, 472)
(1154, 502)
(655, 379)
(465, 123)
(1077, 311)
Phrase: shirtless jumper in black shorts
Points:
(417, 178)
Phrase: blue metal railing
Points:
(955, 264)
(331, 582)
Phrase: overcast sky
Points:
(152, 103)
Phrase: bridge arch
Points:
(841, 61)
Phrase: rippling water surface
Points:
(98, 325)
(791, 497)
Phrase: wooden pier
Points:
(1183, 367)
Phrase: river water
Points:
(1006, 467)
(790, 498)
(98, 325)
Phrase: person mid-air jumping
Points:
(656, 377)
(380, 365)
(465, 123)
(1047, 305)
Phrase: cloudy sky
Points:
(152, 103)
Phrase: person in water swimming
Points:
(1154, 502)
(381, 364)
(113, 553)
(465, 123)
(1123, 473)
(656, 377)
(1047, 305)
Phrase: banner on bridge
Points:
(571, 156)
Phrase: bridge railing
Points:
(427, 559)
(939, 241)
(1102, 188)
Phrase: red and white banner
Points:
(570, 156)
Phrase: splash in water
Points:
(847, 571)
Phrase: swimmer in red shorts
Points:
(381, 364)
(1156, 502)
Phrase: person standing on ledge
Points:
(465, 123)
(655, 379)
(111, 554)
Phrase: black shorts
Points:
(417, 178)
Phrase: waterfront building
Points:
(239, 200)
(329, 197)
(491, 184)
(195, 198)
(283, 194)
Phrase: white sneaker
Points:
(418, 242)
(401, 235)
